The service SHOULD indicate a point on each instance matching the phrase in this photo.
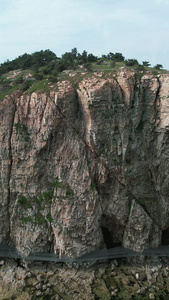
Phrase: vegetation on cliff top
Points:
(38, 71)
(49, 62)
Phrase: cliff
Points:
(87, 167)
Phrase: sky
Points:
(137, 29)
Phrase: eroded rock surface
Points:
(86, 167)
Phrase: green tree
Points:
(158, 66)
(88, 66)
(146, 63)
(68, 59)
(104, 56)
(61, 65)
(74, 52)
(110, 56)
(92, 58)
(131, 62)
(26, 61)
(118, 57)
(83, 57)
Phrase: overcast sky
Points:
(138, 29)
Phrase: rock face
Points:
(87, 167)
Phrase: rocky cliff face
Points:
(87, 167)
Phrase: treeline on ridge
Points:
(51, 64)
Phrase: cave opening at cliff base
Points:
(165, 237)
(107, 237)
(111, 232)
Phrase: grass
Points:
(26, 220)
(24, 202)
(8, 86)
(69, 192)
(48, 195)
(39, 219)
(107, 66)
(57, 184)
(8, 91)
(49, 218)
(38, 85)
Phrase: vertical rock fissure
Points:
(43, 112)
(156, 99)
(10, 161)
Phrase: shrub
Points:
(24, 202)
(38, 76)
(19, 80)
(88, 66)
(112, 64)
(39, 219)
(93, 185)
(52, 78)
(49, 218)
(69, 192)
(26, 85)
(131, 62)
(26, 220)
(48, 195)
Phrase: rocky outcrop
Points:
(88, 167)
(147, 279)
(139, 225)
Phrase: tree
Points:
(146, 63)
(88, 66)
(42, 58)
(36, 60)
(110, 56)
(118, 57)
(104, 56)
(61, 65)
(158, 66)
(74, 52)
(92, 58)
(84, 56)
(131, 62)
(68, 59)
